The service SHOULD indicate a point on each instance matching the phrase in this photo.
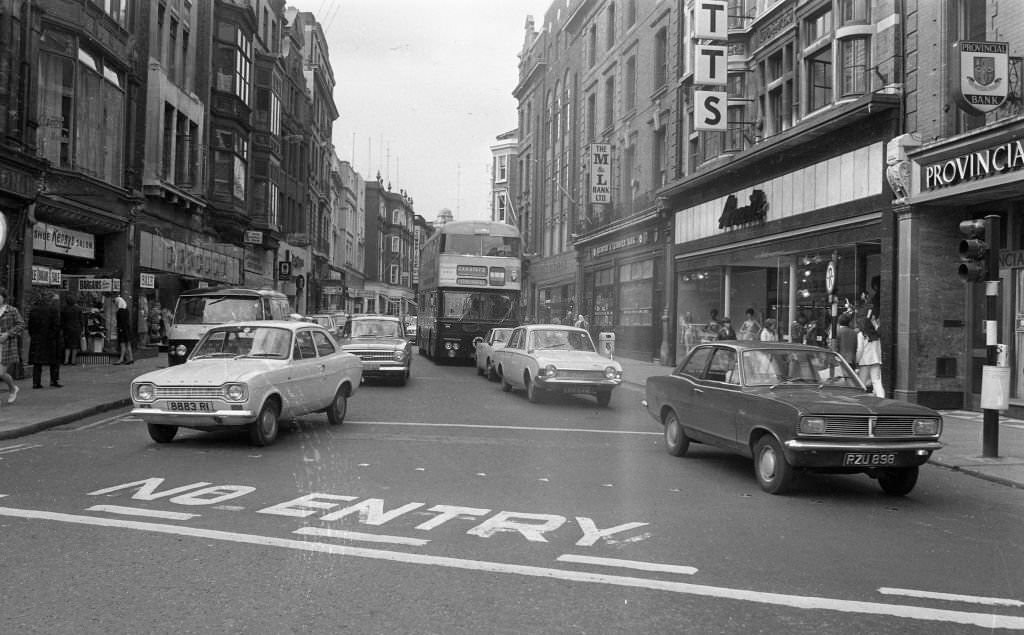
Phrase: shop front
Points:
(553, 287)
(963, 178)
(807, 248)
(623, 284)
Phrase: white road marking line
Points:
(358, 535)
(985, 620)
(629, 564)
(953, 597)
(135, 511)
(18, 448)
(101, 422)
(488, 427)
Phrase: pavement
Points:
(93, 388)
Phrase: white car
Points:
(485, 347)
(252, 375)
(541, 358)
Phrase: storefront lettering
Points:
(755, 212)
(1011, 259)
(976, 165)
(633, 240)
(46, 237)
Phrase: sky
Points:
(423, 89)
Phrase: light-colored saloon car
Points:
(485, 348)
(249, 374)
(541, 358)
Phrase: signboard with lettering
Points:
(147, 281)
(102, 285)
(710, 111)
(980, 75)
(253, 237)
(67, 242)
(600, 173)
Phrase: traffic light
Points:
(974, 250)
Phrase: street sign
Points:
(284, 270)
(830, 277)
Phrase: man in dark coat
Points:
(46, 347)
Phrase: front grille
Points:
(864, 426)
(374, 356)
(187, 392)
(581, 375)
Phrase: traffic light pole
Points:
(990, 421)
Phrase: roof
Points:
(240, 291)
(291, 325)
(374, 316)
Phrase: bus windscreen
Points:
(484, 306)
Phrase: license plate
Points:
(190, 406)
(578, 390)
(869, 459)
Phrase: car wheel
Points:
(403, 378)
(161, 434)
(505, 386)
(898, 482)
(492, 375)
(339, 408)
(604, 398)
(773, 471)
(533, 393)
(479, 371)
(676, 441)
(263, 431)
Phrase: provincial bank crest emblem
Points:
(980, 75)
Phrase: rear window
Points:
(217, 309)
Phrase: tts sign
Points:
(710, 68)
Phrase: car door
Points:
(721, 388)
(683, 389)
(306, 375)
(512, 357)
(331, 371)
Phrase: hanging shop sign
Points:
(981, 80)
(710, 106)
(46, 276)
(59, 240)
(600, 173)
(102, 285)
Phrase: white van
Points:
(199, 309)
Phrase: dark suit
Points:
(46, 347)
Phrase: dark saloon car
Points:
(791, 408)
(382, 345)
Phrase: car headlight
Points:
(812, 425)
(448, 346)
(550, 371)
(611, 372)
(398, 356)
(181, 350)
(235, 392)
(926, 427)
(144, 392)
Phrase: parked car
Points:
(249, 374)
(791, 408)
(485, 347)
(541, 358)
(327, 321)
(382, 345)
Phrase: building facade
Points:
(503, 178)
(390, 223)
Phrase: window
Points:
(630, 86)
(629, 169)
(393, 274)
(396, 244)
(592, 45)
(591, 117)
(168, 142)
(819, 79)
(611, 26)
(234, 61)
(501, 168)
(609, 101)
(81, 108)
(854, 11)
(324, 345)
(855, 62)
(172, 51)
(181, 151)
(817, 26)
(630, 13)
(116, 9)
(231, 156)
(659, 158)
(500, 206)
(660, 58)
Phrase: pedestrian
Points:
(45, 348)
(11, 327)
(750, 329)
(124, 330)
(770, 333)
(581, 322)
(847, 339)
(726, 331)
(869, 356)
(689, 332)
(71, 325)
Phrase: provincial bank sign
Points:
(980, 75)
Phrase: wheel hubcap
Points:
(767, 464)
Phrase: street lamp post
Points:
(665, 351)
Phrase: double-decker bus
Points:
(470, 281)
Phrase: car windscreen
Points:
(247, 341)
(772, 367)
(217, 309)
(560, 339)
(375, 328)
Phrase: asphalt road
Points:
(448, 506)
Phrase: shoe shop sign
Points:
(67, 242)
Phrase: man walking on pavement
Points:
(46, 348)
